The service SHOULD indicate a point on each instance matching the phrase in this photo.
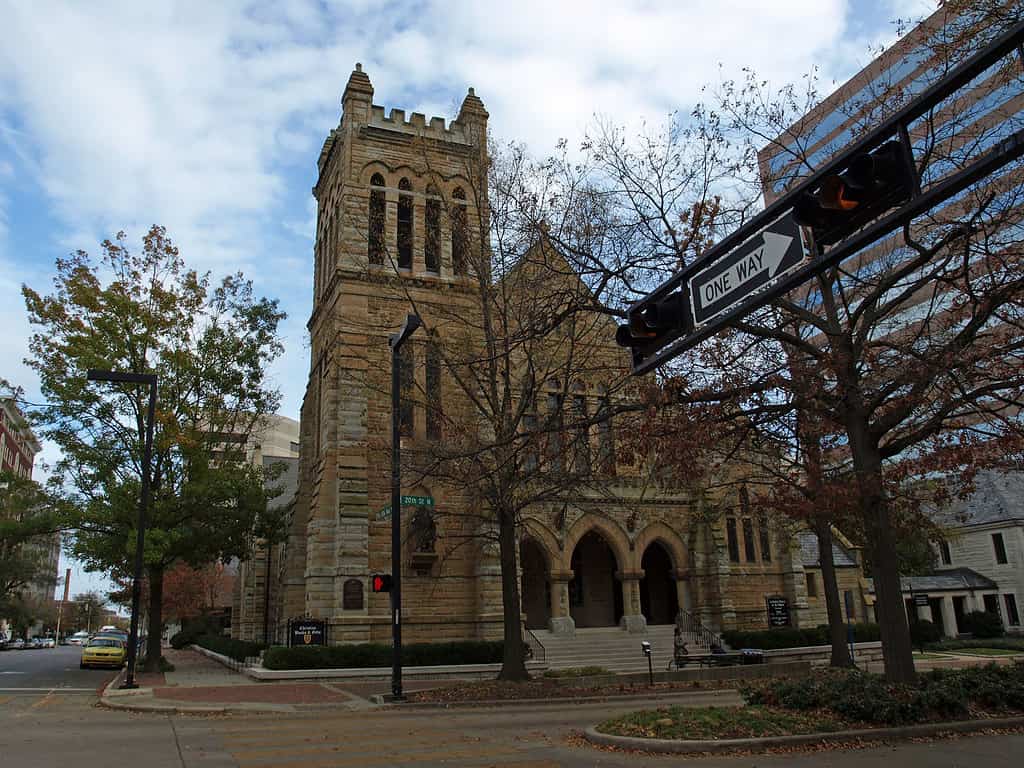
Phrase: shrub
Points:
(769, 639)
(923, 632)
(577, 672)
(192, 630)
(379, 655)
(239, 650)
(1005, 643)
(983, 624)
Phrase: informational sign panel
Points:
(778, 611)
(352, 595)
(307, 632)
(754, 264)
(921, 600)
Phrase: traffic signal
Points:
(380, 582)
(649, 323)
(869, 186)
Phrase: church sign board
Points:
(778, 611)
(307, 632)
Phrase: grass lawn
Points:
(721, 723)
(988, 652)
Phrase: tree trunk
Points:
(513, 663)
(836, 624)
(155, 628)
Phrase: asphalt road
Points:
(49, 718)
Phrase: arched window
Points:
(375, 237)
(460, 244)
(605, 436)
(432, 246)
(581, 431)
(406, 380)
(433, 383)
(404, 225)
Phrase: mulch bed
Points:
(500, 690)
(301, 693)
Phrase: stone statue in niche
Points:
(423, 530)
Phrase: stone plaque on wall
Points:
(352, 595)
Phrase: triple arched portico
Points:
(599, 576)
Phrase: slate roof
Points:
(808, 540)
(998, 497)
(951, 579)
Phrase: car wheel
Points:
(81, 665)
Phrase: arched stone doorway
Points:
(595, 592)
(536, 584)
(659, 601)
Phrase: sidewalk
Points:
(201, 685)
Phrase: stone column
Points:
(683, 595)
(633, 620)
(948, 617)
(561, 622)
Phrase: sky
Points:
(208, 118)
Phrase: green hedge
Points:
(785, 637)
(940, 694)
(379, 655)
(192, 630)
(1006, 643)
(983, 624)
(239, 650)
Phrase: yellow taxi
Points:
(103, 652)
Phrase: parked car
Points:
(17, 644)
(79, 638)
(103, 652)
(49, 642)
(36, 642)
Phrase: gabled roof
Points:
(998, 497)
(808, 540)
(952, 579)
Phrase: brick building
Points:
(395, 194)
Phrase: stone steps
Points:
(610, 647)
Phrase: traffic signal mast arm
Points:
(849, 191)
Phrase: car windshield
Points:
(105, 642)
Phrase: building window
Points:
(375, 237)
(733, 541)
(1012, 617)
(432, 246)
(991, 603)
(406, 374)
(605, 438)
(555, 452)
(434, 412)
(766, 548)
(749, 549)
(530, 436)
(1000, 547)
(812, 584)
(581, 450)
(460, 244)
(404, 225)
(944, 553)
(851, 609)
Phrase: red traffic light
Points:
(380, 582)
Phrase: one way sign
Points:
(754, 264)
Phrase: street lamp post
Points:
(140, 540)
(412, 322)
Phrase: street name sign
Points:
(755, 264)
(407, 501)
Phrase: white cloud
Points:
(199, 116)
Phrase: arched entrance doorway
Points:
(536, 584)
(595, 594)
(659, 601)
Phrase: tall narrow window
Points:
(460, 245)
(1000, 547)
(404, 225)
(530, 436)
(944, 553)
(1012, 617)
(605, 438)
(555, 452)
(733, 540)
(766, 547)
(434, 413)
(375, 237)
(406, 369)
(432, 245)
(749, 548)
(581, 436)
(812, 585)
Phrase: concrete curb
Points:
(722, 693)
(679, 746)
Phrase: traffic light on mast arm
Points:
(650, 323)
(844, 202)
(380, 582)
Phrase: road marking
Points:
(47, 690)
(11, 673)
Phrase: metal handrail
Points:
(532, 641)
(703, 636)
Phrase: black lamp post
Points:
(395, 341)
(147, 454)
